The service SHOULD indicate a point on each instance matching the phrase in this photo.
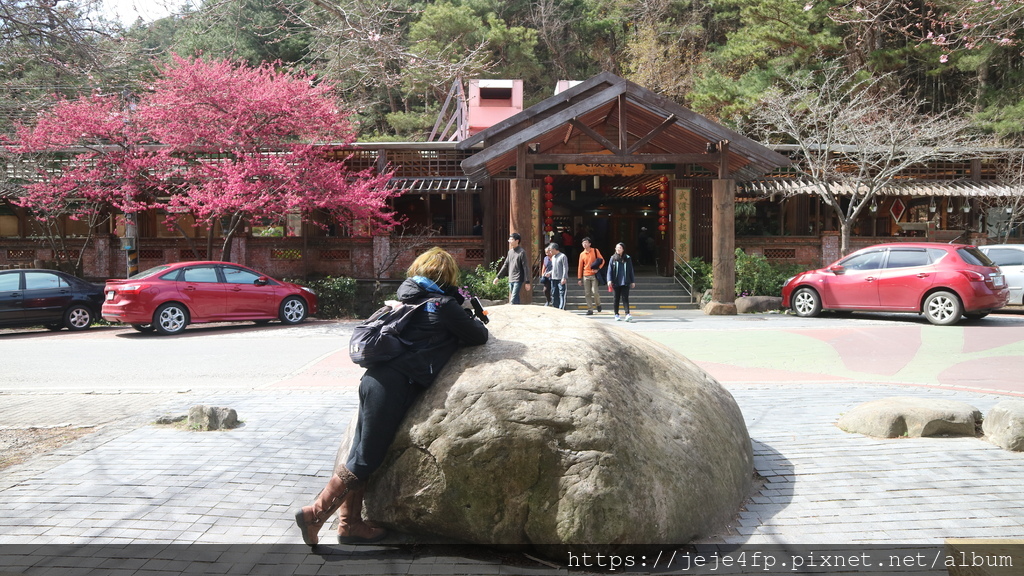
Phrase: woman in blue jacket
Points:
(621, 278)
(388, 390)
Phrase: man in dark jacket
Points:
(388, 390)
(516, 267)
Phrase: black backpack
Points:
(379, 338)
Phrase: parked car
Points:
(1010, 259)
(168, 298)
(49, 298)
(941, 281)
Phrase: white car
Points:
(1010, 259)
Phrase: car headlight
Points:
(788, 280)
(310, 290)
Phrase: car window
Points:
(239, 276)
(1006, 256)
(864, 261)
(907, 257)
(206, 274)
(974, 256)
(936, 254)
(44, 281)
(11, 281)
(150, 272)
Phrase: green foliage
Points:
(479, 282)
(335, 294)
(756, 276)
(702, 278)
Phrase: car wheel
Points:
(170, 318)
(806, 303)
(78, 317)
(293, 310)
(975, 315)
(144, 328)
(942, 308)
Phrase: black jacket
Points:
(435, 331)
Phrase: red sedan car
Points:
(941, 281)
(170, 297)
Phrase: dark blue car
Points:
(48, 298)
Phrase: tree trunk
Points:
(845, 229)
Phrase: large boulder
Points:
(563, 430)
(1004, 425)
(752, 304)
(912, 417)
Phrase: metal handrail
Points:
(684, 275)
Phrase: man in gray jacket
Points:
(559, 276)
(516, 267)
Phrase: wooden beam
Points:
(709, 159)
(595, 136)
(653, 134)
(623, 124)
(723, 160)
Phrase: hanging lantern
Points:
(662, 228)
(549, 180)
(549, 205)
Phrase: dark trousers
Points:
(385, 395)
(623, 293)
(547, 292)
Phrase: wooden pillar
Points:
(723, 243)
(521, 221)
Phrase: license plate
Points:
(998, 281)
(110, 295)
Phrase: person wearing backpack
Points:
(387, 391)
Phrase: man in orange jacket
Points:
(590, 262)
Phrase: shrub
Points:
(478, 282)
(756, 276)
(702, 279)
(336, 295)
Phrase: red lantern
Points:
(662, 220)
(548, 205)
(662, 228)
(549, 188)
(548, 180)
(549, 221)
(549, 197)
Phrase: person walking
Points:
(586, 274)
(388, 390)
(516, 267)
(559, 276)
(621, 278)
(545, 275)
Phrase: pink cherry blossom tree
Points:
(87, 157)
(256, 143)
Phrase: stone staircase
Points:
(652, 292)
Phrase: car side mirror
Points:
(837, 269)
(262, 281)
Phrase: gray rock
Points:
(565, 431)
(909, 416)
(750, 304)
(1004, 425)
(171, 418)
(202, 417)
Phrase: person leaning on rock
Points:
(388, 390)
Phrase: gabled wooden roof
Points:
(610, 120)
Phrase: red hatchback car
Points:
(170, 297)
(941, 281)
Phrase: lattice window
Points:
(21, 254)
(289, 254)
(68, 255)
(474, 254)
(151, 254)
(780, 253)
(335, 254)
(188, 254)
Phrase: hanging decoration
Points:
(663, 205)
(549, 204)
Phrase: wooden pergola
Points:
(610, 121)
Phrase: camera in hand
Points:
(478, 309)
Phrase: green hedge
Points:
(479, 282)
(755, 275)
(336, 295)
